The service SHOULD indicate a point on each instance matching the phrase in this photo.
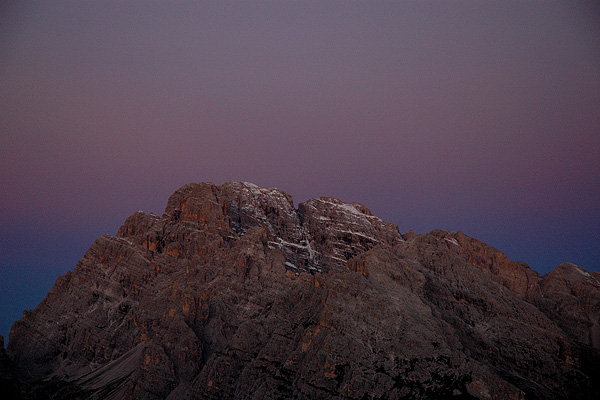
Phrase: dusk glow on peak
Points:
(474, 117)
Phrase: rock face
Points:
(233, 293)
(571, 298)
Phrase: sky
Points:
(482, 117)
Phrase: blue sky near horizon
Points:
(471, 116)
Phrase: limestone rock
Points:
(571, 297)
(235, 294)
(339, 230)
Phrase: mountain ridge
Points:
(235, 293)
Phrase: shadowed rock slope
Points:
(235, 294)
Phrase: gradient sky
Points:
(475, 116)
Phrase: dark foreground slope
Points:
(235, 294)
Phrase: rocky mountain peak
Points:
(571, 274)
(320, 235)
(516, 276)
(571, 296)
(234, 293)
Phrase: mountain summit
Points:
(233, 293)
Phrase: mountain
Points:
(233, 293)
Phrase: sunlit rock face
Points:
(233, 293)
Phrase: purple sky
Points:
(472, 116)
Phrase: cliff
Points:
(233, 293)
